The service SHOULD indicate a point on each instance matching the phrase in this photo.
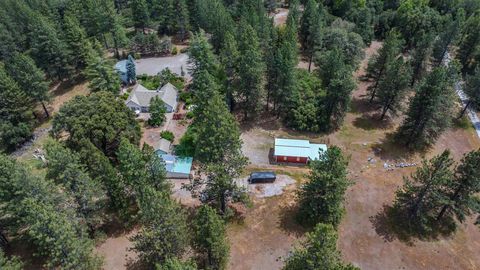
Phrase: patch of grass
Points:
(463, 123)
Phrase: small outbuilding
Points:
(296, 151)
(163, 147)
(177, 167)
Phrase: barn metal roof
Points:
(298, 148)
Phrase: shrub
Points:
(186, 97)
(187, 144)
(167, 135)
(174, 50)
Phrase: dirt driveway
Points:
(152, 66)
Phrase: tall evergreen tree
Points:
(131, 70)
(76, 40)
(29, 78)
(472, 89)
(102, 76)
(201, 56)
(462, 191)
(48, 50)
(210, 238)
(422, 195)
(64, 167)
(164, 234)
(16, 118)
(318, 251)
(251, 69)
(429, 112)
(469, 43)
(338, 80)
(182, 23)
(376, 66)
(420, 57)
(228, 58)
(321, 198)
(311, 30)
(448, 36)
(140, 14)
(393, 86)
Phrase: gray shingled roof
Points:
(163, 145)
(142, 96)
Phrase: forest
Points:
(244, 68)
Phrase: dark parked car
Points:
(262, 177)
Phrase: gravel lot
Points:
(152, 66)
(268, 189)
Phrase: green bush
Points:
(167, 135)
(174, 50)
(184, 50)
(186, 97)
(189, 115)
(186, 148)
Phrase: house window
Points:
(298, 159)
(285, 158)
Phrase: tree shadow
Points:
(288, 221)
(136, 264)
(389, 149)
(372, 121)
(361, 105)
(391, 223)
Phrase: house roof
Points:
(298, 148)
(174, 164)
(142, 96)
(163, 145)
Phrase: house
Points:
(121, 68)
(296, 151)
(139, 98)
(177, 167)
(163, 147)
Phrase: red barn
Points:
(296, 151)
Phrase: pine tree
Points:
(462, 192)
(376, 66)
(420, 57)
(102, 76)
(48, 50)
(131, 70)
(201, 56)
(164, 233)
(29, 78)
(311, 30)
(215, 144)
(76, 40)
(422, 195)
(472, 89)
(448, 36)
(318, 251)
(469, 43)
(251, 69)
(64, 167)
(57, 237)
(210, 238)
(321, 198)
(12, 263)
(228, 58)
(429, 112)
(140, 14)
(393, 86)
(16, 115)
(102, 171)
(182, 24)
(338, 81)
